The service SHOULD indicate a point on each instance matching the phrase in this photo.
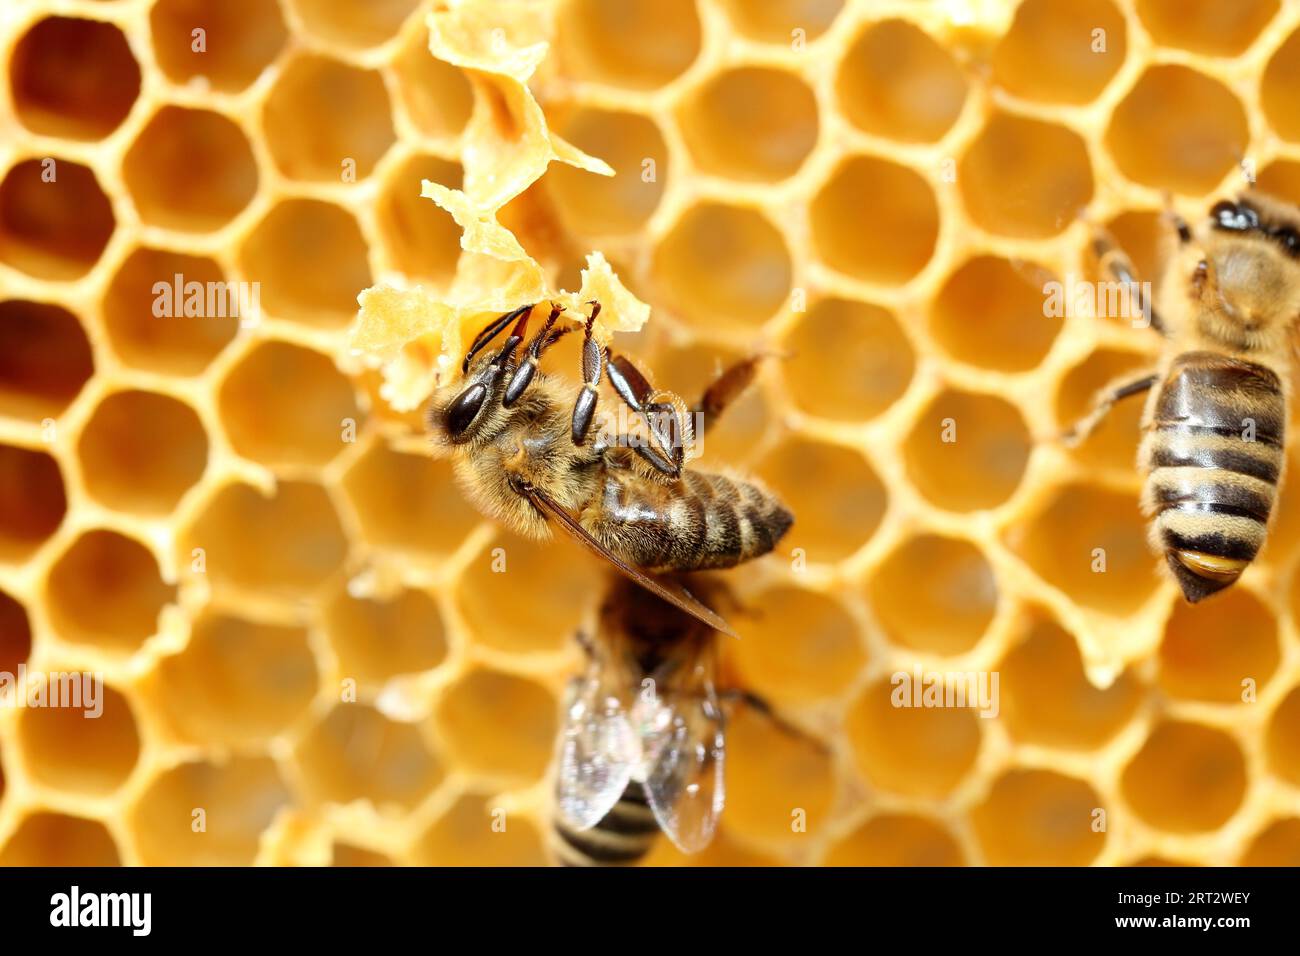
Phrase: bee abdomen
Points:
(1214, 456)
(720, 522)
(622, 837)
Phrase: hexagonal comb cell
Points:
(129, 465)
(422, 239)
(1187, 778)
(759, 752)
(73, 78)
(470, 833)
(549, 585)
(497, 725)
(283, 404)
(847, 361)
(836, 497)
(603, 205)
(796, 645)
(1283, 739)
(992, 313)
(374, 640)
(57, 839)
(15, 634)
(724, 264)
(207, 814)
(1091, 543)
(751, 123)
(1279, 90)
(190, 169)
(54, 219)
(32, 501)
(106, 590)
(1197, 663)
(639, 43)
(915, 751)
(87, 744)
(904, 221)
(1203, 26)
(1061, 51)
(45, 359)
(897, 839)
(896, 82)
(408, 502)
(147, 325)
(436, 95)
(356, 753)
(237, 681)
(1169, 107)
(967, 451)
(782, 21)
(227, 44)
(359, 132)
(311, 261)
(1025, 178)
(934, 594)
(354, 24)
(1039, 818)
(288, 544)
(1278, 844)
(1046, 698)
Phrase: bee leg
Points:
(522, 376)
(725, 389)
(492, 331)
(593, 365)
(1076, 434)
(668, 453)
(1114, 262)
(762, 706)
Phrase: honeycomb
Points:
(309, 651)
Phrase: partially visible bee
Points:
(1213, 430)
(643, 745)
(522, 456)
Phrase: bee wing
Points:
(670, 591)
(684, 781)
(598, 752)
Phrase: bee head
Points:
(469, 409)
(1248, 271)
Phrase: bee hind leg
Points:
(1077, 433)
(761, 705)
(725, 389)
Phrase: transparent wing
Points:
(685, 753)
(598, 752)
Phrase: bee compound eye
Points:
(465, 408)
(1227, 215)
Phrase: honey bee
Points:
(643, 744)
(1215, 418)
(524, 458)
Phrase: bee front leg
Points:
(593, 364)
(1077, 433)
(1114, 262)
(668, 453)
(522, 376)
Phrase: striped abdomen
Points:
(621, 838)
(702, 521)
(1213, 455)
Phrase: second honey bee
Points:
(1214, 426)
(525, 452)
(643, 745)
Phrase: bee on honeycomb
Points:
(303, 646)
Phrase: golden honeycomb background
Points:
(300, 628)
